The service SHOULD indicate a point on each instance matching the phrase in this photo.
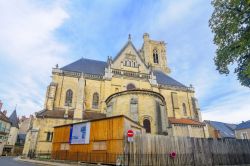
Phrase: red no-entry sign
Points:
(130, 133)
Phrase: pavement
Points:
(17, 161)
(9, 161)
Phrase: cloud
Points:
(190, 51)
(232, 108)
(36, 35)
(28, 50)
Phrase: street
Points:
(10, 161)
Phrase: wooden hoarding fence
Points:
(156, 150)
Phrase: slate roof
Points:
(164, 79)
(226, 130)
(4, 118)
(243, 125)
(60, 114)
(87, 66)
(185, 121)
(13, 119)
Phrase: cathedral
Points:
(134, 82)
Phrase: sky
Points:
(37, 35)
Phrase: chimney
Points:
(5, 112)
(1, 104)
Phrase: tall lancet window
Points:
(69, 97)
(95, 101)
(155, 56)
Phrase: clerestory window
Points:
(69, 97)
(95, 100)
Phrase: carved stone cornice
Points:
(77, 74)
(137, 92)
(118, 72)
(175, 88)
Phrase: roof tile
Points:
(243, 125)
(164, 79)
(87, 66)
(184, 121)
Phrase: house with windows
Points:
(12, 137)
(4, 130)
(242, 131)
(220, 129)
(134, 82)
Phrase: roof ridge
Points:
(94, 60)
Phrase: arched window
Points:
(184, 109)
(130, 86)
(129, 63)
(95, 101)
(146, 125)
(69, 96)
(155, 56)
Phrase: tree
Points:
(230, 22)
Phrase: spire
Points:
(13, 119)
(129, 37)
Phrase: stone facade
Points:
(4, 131)
(135, 83)
(242, 133)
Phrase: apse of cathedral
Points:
(135, 83)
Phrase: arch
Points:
(184, 109)
(69, 97)
(155, 56)
(95, 100)
(130, 86)
(147, 125)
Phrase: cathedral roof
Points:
(13, 119)
(164, 79)
(87, 66)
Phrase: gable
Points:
(129, 59)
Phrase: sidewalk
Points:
(54, 163)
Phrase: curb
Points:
(42, 162)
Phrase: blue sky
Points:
(37, 35)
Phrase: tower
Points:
(154, 54)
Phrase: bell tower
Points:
(154, 54)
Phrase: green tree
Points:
(230, 22)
